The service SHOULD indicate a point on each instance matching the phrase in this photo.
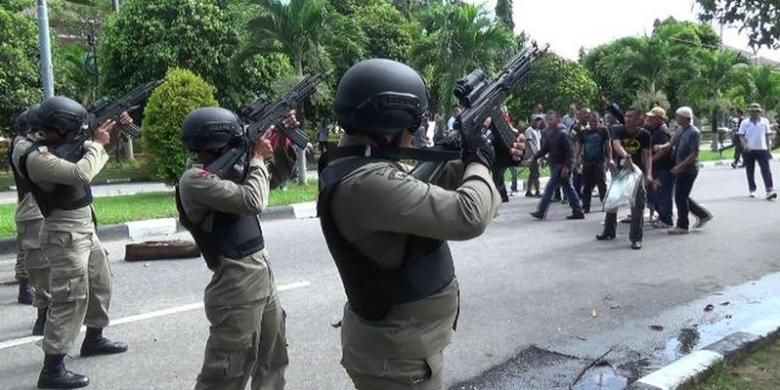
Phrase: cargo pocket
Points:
(69, 289)
(404, 371)
(223, 364)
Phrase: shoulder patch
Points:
(45, 153)
(397, 174)
(204, 174)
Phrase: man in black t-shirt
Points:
(593, 150)
(659, 197)
(632, 144)
(560, 154)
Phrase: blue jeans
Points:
(566, 184)
(513, 171)
(662, 197)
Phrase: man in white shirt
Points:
(534, 139)
(753, 136)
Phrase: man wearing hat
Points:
(753, 136)
(685, 152)
(660, 197)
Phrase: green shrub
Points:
(182, 93)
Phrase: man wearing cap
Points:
(660, 197)
(685, 151)
(753, 136)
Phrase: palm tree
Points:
(648, 60)
(76, 60)
(721, 71)
(309, 32)
(766, 86)
(301, 29)
(458, 39)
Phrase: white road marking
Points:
(147, 316)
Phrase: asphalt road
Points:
(540, 300)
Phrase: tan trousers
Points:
(376, 373)
(80, 287)
(247, 337)
(30, 262)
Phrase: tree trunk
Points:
(301, 153)
(714, 125)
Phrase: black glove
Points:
(478, 147)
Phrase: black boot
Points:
(40, 322)
(25, 292)
(606, 236)
(95, 344)
(55, 376)
(538, 215)
(576, 215)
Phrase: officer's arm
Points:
(213, 193)
(391, 201)
(45, 167)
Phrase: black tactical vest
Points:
(62, 196)
(232, 235)
(22, 185)
(371, 290)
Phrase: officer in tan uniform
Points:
(80, 281)
(387, 230)
(32, 268)
(247, 334)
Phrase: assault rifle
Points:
(261, 115)
(104, 109)
(480, 98)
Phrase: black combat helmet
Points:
(24, 122)
(210, 128)
(60, 114)
(380, 96)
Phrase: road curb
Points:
(693, 367)
(139, 230)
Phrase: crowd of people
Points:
(386, 228)
(584, 148)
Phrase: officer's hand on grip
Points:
(102, 135)
(125, 119)
(518, 148)
(478, 148)
(263, 148)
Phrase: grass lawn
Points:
(120, 209)
(113, 172)
(709, 155)
(760, 371)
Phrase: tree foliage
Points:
(758, 17)
(181, 93)
(720, 72)
(634, 69)
(504, 14)
(388, 32)
(19, 80)
(145, 39)
(458, 39)
(556, 83)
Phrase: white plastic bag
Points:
(622, 191)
